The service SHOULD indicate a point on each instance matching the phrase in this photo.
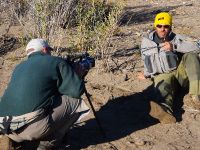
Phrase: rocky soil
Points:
(121, 99)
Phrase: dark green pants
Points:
(187, 75)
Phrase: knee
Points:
(190, 56)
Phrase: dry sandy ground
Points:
(121, 100)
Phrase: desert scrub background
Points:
(74, 25)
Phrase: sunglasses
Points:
(164, 26)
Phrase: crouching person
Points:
(42, 100)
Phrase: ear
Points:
(44, 50)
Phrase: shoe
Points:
(5, 143)
(161, 113)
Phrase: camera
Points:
(87, 62)
(83, 59)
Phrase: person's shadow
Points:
(119, 118)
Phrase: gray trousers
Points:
(53, 126)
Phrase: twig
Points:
(113, 146)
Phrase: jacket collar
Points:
(152, 34)
(36, 54)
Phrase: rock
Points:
(139, 142)
(126, 78)
(131, 144)
(138, 34)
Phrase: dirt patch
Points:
(120, 98)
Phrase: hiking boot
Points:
(5, 143)
(161, 113)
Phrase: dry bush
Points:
(87, 25)
(97, 23)
(40, 18)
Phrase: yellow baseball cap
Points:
(163, 18)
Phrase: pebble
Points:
(126, 78)
(193, 116)
(132, 144)
(138, 34)
(139, 142)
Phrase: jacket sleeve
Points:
(148, 48)
(69, 82)
(143, 48)
(185, 44)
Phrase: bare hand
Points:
(167, 46)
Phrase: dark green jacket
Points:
(36, 82)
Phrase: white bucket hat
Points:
(36, 45)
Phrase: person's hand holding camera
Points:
(80, 70)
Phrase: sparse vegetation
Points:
(86, 24)
(120, 98)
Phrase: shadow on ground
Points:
(119, 118)
(8, 44)
(146, 14)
